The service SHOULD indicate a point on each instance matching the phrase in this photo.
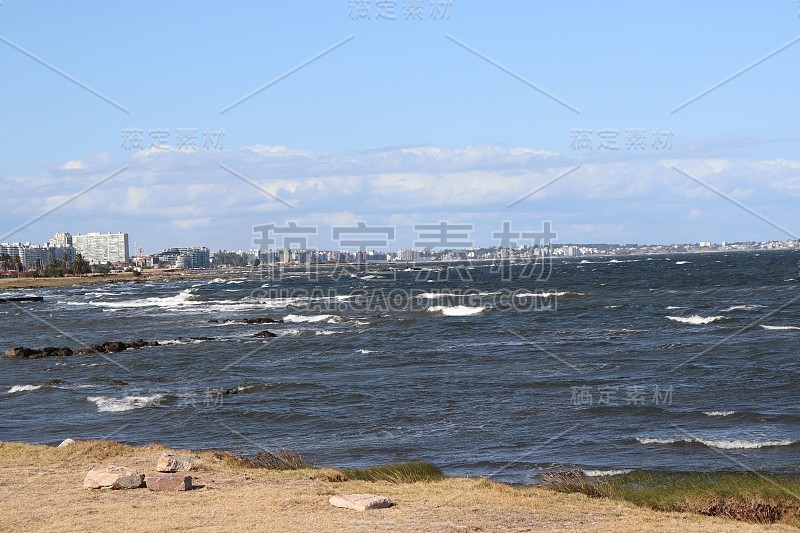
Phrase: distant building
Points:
(102, 248)
(191, 257)
(34, 257)
(62, 240)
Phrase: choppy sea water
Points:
(682, 362)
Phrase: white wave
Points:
(106, 404)
(672, 307)
(182, 299)
(598, 473)
(696, 319)
(432, 295)
(365, 352)
(719, 413)
(722, 444)
(324, 332)
(743, 307)
(683, 262)
(456, 310)
(169, 342)
(780, 328)
(311, 318)
(289, 332)
(23, 388)
(546, 294)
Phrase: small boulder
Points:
(168, 482)
(360, 502)
(65, 443)
(116, 382)
(173, 463)
(113, 477)
(265, 334)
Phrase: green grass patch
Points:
(411, 472)
(751, 497)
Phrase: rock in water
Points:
(360, 502)
(265, 334)
(168, 482)
(65, 443)
(172, 463)
(113, 477)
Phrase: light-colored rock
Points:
(113, 477)
(65, 443)
(172, 463)
(360, 502)
(168, 482)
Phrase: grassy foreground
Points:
(752, 497)
(40, 490)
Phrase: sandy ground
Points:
(41, 490)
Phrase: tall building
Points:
(102, 248)
(61, 240)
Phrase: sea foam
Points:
(23, 388)
(696, 319)
(107, 404)
(456, 310)
(721, 444)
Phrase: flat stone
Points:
(66, 442)
(172, 463)
(168, 482)
(360, 502)
(113, 477)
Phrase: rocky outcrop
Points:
(262, 320)
(265, 334)
(30, 353)
(168, 482)
(117, 346)
(173, 463)
(113, 477)
(360, 502)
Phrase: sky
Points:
(191, 123)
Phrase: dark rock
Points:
(152, 343)
(54, 382)
(265, 334)
(262, 320)
(115, 347)
(116, 382)
(201, 338)
(28, 353)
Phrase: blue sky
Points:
(405, 122)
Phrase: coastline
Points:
(41, 490)
(125, 277)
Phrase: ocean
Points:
(683, 362)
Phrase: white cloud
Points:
(75, 164)
(603, 198)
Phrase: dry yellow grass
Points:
(40, 490)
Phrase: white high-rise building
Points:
(61, 240)
(102, 248)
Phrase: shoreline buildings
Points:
(100, 248)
